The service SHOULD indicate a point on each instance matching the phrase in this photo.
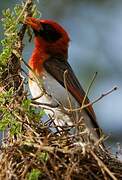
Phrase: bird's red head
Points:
(49, 36)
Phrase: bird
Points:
(52, 80)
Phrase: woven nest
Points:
(54, 157)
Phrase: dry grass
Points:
(56, 157)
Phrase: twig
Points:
(93, 174)
(65, 85)
(102, 165)
(96, 100)
(89, 87)
(28, 3)
(45, 108)
(69, 171)
(36, 78)
(36, 98)
(103, 95)
(74, 116)
(43, 104)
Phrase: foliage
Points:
(34, 174)
(33, 113)
(9, 108)
(11, 24)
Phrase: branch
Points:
(103, 166)
(95, 101)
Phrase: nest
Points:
(39, 151)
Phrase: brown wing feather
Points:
(56, 67)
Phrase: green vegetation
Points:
(12, 22)
(34, 174)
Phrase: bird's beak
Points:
(33, 23)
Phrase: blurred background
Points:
(95, 29)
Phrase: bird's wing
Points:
(57, 67)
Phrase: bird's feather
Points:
(57, 68)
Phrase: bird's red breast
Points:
(50, 55)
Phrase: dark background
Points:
(95, 28)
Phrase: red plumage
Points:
(49, 60)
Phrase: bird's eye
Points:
(49, 33)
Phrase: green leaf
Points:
(34, 174)
(16, 127)
(43, 156)
(4, 123)
(26, 104)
